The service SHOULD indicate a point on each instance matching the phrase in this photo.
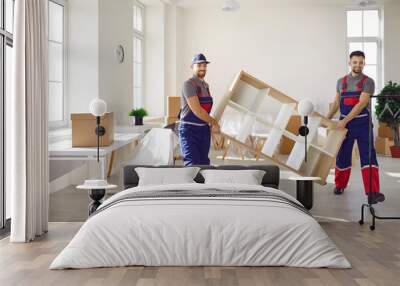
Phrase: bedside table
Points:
(97, 190)
(304, 188)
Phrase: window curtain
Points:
(28, 153)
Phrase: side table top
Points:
(292, 176)
(86, 187)
(300, 178)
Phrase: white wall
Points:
(83, 80)
(116, 79)
(392, 42)
(155, 89)
(298, 49)
(296, 46)
(83, 76)
(173, 40)
(83, 54)
(97, 27)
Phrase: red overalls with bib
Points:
(194, 133)
(357, 130)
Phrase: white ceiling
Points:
(191, 3)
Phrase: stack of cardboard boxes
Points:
(173, 108)
(384, 140)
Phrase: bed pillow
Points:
(248, 177)
(166, 176)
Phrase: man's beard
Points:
(357, 70)
(201, 74)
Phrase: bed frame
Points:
(270, 179)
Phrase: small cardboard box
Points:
(84, 129)
(384, 131)
(173, 106)
(171, 120)
(382, 145)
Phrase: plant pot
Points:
(138, 120)
(395, 151)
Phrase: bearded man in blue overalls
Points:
(353, 92)
(195, 123)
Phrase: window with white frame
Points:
(364, 33)
(138, 51)
(57, 110)
(6, 69)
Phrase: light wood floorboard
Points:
(375, 257)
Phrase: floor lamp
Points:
(305, 108)
(98, 108)
(370, 206)
(97, 188)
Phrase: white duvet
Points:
(200, 231)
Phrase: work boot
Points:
(375, 198)
(338, 191)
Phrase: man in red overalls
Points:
(195, 121)
(352, 99)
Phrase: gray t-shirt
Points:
(368, 86)
(189, 90)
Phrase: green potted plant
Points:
(387, 111)
(138, 113)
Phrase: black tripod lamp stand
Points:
(368, 205)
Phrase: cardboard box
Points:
(382, 145)
(293, 127)
(173, 106)
(84, 129)
(170, 120)
(384, 131)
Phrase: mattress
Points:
(201, 225)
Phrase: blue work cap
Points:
(200, 58)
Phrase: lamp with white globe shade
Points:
(98, 107)
(305, 108)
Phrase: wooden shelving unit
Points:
(251, 97)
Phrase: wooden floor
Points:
(375, 257)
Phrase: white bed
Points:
(202, 231)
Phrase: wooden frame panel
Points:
(320, 158)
